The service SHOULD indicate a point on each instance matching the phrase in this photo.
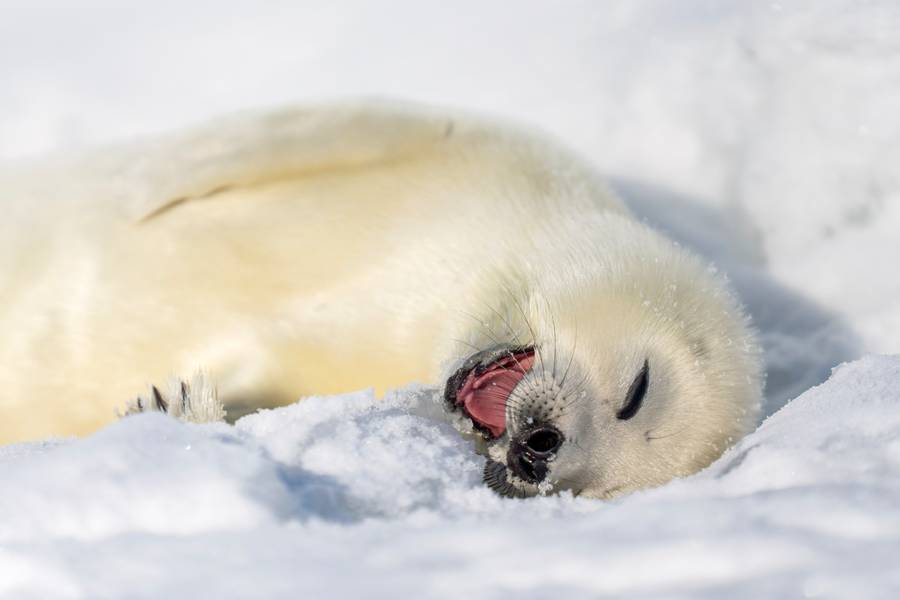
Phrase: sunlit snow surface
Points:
(763, 135)
(346, 497)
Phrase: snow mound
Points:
(291, 501)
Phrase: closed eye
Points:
(636, 392)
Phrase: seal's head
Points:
(604, 385)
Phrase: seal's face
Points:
(626, 401)
(524, 414)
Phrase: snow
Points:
(348, 497)
(764, 135)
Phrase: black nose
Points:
(543, 441)
(531, 450)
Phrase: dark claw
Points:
(161, 404)
(184, 397)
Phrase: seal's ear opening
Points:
(636, 392)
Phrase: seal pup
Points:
(330, 248)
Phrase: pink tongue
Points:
(484, 396)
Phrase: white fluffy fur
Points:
(332, 248)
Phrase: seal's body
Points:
(329, 249)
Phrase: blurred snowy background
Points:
(765, 135)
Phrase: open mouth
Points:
(482, 387)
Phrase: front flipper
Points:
(194, 402)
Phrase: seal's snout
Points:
(531, 452)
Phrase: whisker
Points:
(562, 383)
(649, 437)
(465, 343)
(485, 325)
(537, 347)
(553, 325)
(505, 322)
